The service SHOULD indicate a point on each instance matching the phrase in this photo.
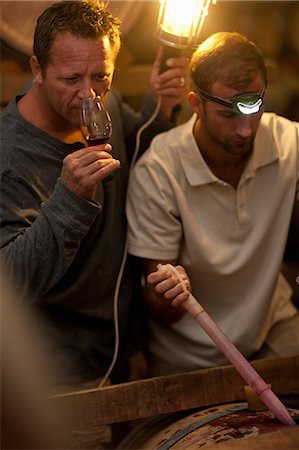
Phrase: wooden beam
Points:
(160, 395)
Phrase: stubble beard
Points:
(231, 145)
(238, 148)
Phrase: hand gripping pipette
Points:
(247, 372)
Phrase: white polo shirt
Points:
(231, 242)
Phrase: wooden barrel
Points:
(208, 428)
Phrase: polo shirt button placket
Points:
(242, 211)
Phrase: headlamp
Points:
(248, 103)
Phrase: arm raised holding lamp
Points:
(247, 372)
(171, 85)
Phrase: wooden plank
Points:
(160, 395)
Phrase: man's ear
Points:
(195, 103)
(36, 69)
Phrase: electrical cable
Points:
(125, 252)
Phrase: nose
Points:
(85, 88)
(86, 92)
(244, 127)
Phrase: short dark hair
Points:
(83, 18)
(228, 57)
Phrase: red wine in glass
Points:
(95, 141)
(96, 125)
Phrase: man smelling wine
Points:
(63, 225)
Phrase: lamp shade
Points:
(180, 21)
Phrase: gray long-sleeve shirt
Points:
(64, 251)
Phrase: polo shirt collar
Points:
(196, 170)
(265, 150)
(194, 166)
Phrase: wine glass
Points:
(96, 124)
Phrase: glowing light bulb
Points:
(180, 21)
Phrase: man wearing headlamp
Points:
(215, 195)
